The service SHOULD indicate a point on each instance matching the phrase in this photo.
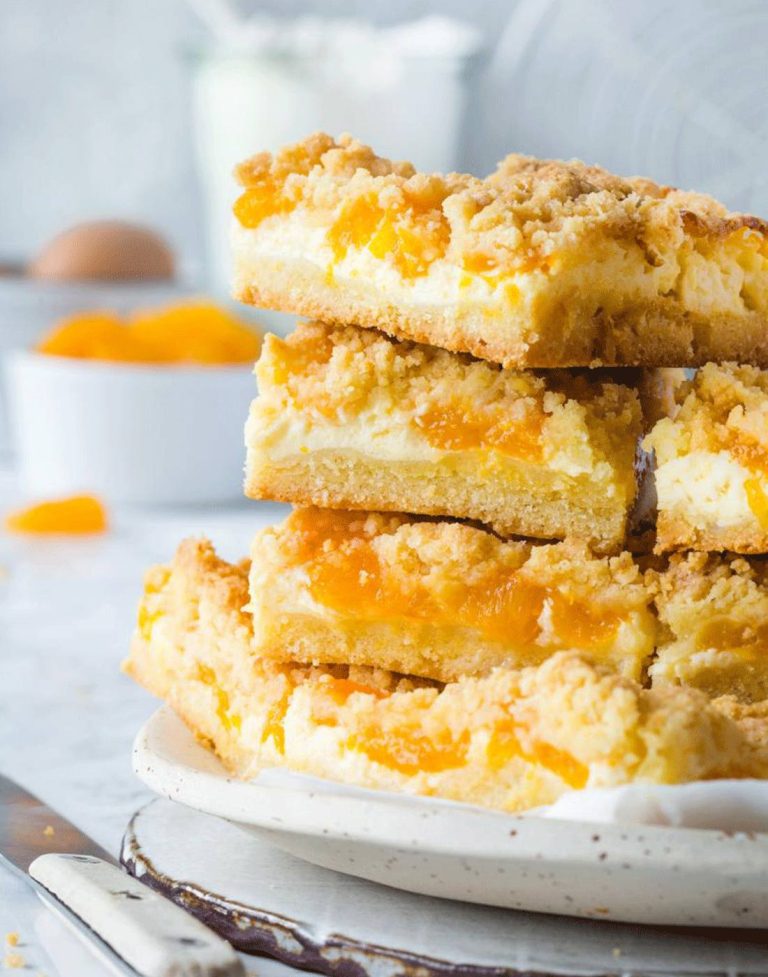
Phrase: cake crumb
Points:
(14, 961)
(616, 951)
(48, 831)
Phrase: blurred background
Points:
(136, 112)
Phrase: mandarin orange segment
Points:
(750, 237)
(480, 263)
(506, 608)
(340, 689)
(757, 500)
(205, 674)
(355, 226)
(349, 578)
(96, 335)
(409, 751)
(260, 201)
(561, 763)
(274, 728)
(413, 235)
(460, 427)
(581, 625)
(289, 361)
(194, 332)
(751, 454)
(346, 574)
(504, 745)
(416, 249)
(76, 515)
(494, 268)
(229, 720)
(726, 634)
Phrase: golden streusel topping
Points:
(725, 407)
(455, 401)
(525, 217)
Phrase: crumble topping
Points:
(455, 401)
(527, 216)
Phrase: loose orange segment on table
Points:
(194, 332)
(77, 515)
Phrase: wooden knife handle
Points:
(148, 931)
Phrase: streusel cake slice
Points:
(542, 264)
(714, 615)
(349, 418)
(712, 462)
(511, 740)
(439, 599)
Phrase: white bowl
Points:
(30, 307)
(130, 433)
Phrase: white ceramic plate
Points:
(630, 872)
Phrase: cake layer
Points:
(439, 599)
(712, 462)
(511, 740)
(542, 264)
(348, 418)
(714, 612)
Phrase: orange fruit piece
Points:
(194, 332)
(93, 336)
(76, 515)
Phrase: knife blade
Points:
(29, 828)
(132, 928)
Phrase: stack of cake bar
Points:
(456, 605)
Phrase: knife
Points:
(129, 926)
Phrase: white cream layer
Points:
(707, 486)
(717, 282)
(388, 436)
(295, 238)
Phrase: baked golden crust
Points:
(439, 599)
(714, 615)
(712, 462)
(542, 264)
(511, 740)
(349, 418)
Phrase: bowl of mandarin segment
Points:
(140, 409)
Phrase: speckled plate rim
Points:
(168, 759)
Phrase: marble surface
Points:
(67, 714)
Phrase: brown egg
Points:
(112, 251)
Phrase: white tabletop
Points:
(68, 716)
